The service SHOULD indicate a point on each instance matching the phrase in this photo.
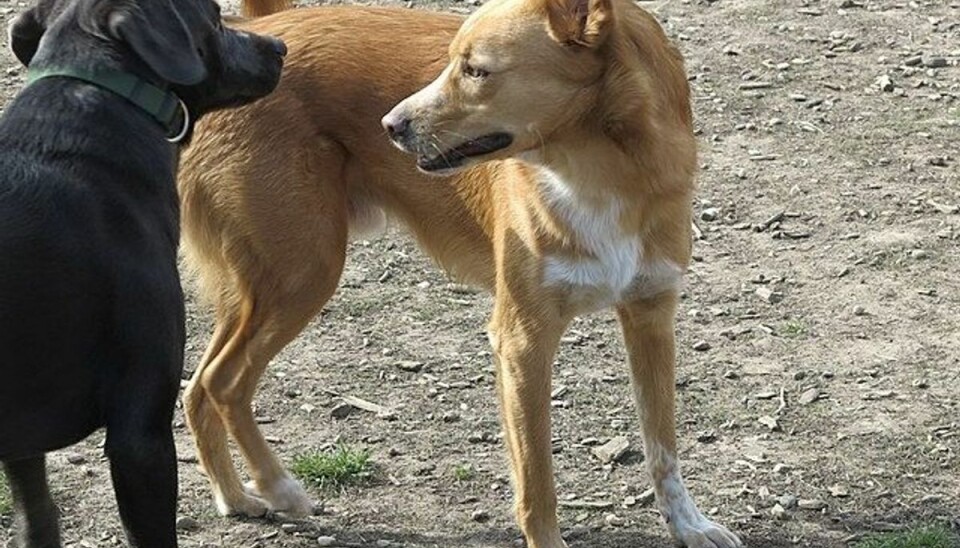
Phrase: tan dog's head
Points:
(519, 71)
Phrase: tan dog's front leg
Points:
(524, 346)
(648, 330)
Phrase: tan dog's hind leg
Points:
(648, 329)
(525, 340)
(210, 433)
(276, 280)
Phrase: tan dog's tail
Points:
(259, 8)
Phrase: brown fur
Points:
(269, 192)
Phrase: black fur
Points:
(91, 311)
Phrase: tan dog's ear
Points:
(579, 22)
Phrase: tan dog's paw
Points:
(242, 505)
(698, 532)
(285, 495)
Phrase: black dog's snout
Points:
(278, 46)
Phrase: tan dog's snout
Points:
(397, 125)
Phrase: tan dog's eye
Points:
(474, 72)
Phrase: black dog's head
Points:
(178, 44)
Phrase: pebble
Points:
(612, 450)
(859, 311)
(342, 410)
(411, 366)
(480, 516)
(839, 491)
(787, 501)
(935, 62)
(186, 523)
(809, 396)
(885, 83)
(778, 512)
(769, 422)
(613, 520)
(710, 214)
(913, 61)
(768, 295)
(326, 541)
(811, 504)
(701, 346)
(76, 458)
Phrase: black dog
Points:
(91, 310)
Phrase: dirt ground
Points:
(825, 287)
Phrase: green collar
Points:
(164, 106)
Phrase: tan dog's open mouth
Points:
(456, 156)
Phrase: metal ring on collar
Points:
(186, 123)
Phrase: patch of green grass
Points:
(6, 501)
(927, 536)
(334, 468)
(793, 328)
(463, 472)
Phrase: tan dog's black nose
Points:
(395, 125)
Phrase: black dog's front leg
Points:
(144, 471)
(36, 512)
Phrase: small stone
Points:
(710, 214)
(937, 161)
(480, 516)
(76, 458)
(885, 83)
(811, 504)
(913, 61)
(451, 416)
(935, 62)
(342, 410)
(781, 468)
(612, 450)
(647, 497)
(778, 512)
(613, 520)
(186, 523)
(769, 422)
(768, 295)
(859, 311)
(411, 366)
(787, 501)
(289, 527)
(701, 346)
(326, 541)
(919, 254)
(839, 491)
(809, 396)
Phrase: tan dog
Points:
(585, 110)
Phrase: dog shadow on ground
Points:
(836, 530)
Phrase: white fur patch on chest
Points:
(613, 265)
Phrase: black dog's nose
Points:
(395, 125)
(278, 46)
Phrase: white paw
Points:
(696, 531)
(242, 505)
(286, 496)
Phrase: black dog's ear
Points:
(24, 33)
(158, 34)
